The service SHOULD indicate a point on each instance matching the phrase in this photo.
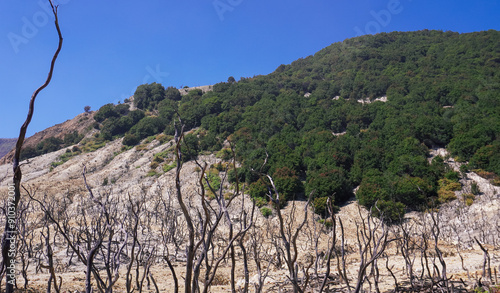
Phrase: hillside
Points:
(82, 124)
(6, 144)
(380, 147)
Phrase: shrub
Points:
(154, 165)
(266, 212)
(474, 189)
(151, 173)
(162, 138)
(328, 223)
(130, 139)
(167, 167)
(452, 175)
(260, 201)
(173, 94)
(225, 154)
(105, 112)
(320, 205)
(147, 96)
(446, 195)
(469, 198)
(389, 210)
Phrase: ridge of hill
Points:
(6, 145)
(82, 123)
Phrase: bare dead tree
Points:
(435, 230)
(9, 236)
(331, 244)
(261, 252)
(341, 258)
(190, 249)
(486, 262)
(288, 234)
(407, 245)
(50, 263)
(373, 237)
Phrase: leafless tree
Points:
(435, 230)
(288, 234)
(331, 245)
(373, 238)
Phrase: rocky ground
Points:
(111, 170)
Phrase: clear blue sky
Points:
(111, 47)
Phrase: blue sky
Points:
(111, 47)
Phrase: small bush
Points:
(446, 195)
(154, 165)
(130, 140)
(260, 201)
(151, 173)
(469, 198)
(225, 154)
(167, 167)
(447, 184)
(320, 205)
(105, 181)
(266, 212)
(162, 138)
(474, 189)
(391, 211)
(158, 159)
(328, 223)
(228, 195)
(452, 176)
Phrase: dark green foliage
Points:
(452, 176)
(122, 109)
(329, 183)
(258, 189)
(105, 112)
(173, 94)
(190, 148)
(147, 96)
(28, 152)
(48, 145)
(474, 189)
(148, 126)
(487, 158)
(72, 138)
(305, 120)
(287, 182)
(266, 212)
(390, 211)
(130, 139)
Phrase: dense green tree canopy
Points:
(364, 112)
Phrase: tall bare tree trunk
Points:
(9, 236)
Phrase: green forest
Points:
(320, 140)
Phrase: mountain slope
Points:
(82, 124)
(6, 145)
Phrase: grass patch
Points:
(152, 173)
(65, 157)
(167, 167)
(447, 190)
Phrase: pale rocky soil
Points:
(126, 173)
(80, 123)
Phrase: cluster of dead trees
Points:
(203, 241)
